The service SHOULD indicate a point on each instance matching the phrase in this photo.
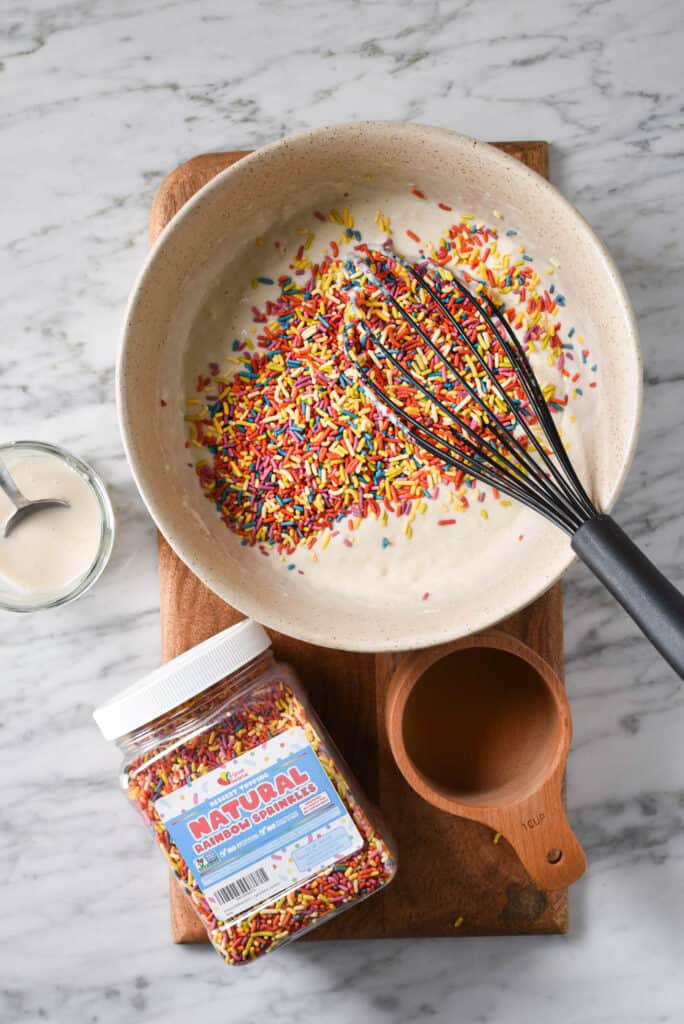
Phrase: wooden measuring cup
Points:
(481, 728)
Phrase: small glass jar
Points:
(16, 598)
(252, 804)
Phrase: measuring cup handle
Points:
(539, 832)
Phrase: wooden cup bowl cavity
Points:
(481, 728)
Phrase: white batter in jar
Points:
(51, 555)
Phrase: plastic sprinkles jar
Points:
(246, 794)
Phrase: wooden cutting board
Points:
(453, 878)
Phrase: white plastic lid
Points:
(182, 678)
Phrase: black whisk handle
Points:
(654, 603)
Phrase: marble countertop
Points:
(98, 101)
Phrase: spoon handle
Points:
(10, 488)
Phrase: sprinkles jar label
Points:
(244, 792)
(269, 820)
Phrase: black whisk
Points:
(510, 454)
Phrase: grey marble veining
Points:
(98, 100)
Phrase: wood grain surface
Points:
(453, 879)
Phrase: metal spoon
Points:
(23, 507)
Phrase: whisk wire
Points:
(482, 467)
(553, 490)
(505, 437)
(518, 359)
(472, 460)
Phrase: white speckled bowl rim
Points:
(354, 631)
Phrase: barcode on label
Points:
(241, 886)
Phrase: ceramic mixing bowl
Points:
(193, 293)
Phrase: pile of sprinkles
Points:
(267, 710)
(293, 444)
